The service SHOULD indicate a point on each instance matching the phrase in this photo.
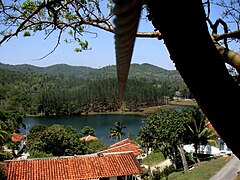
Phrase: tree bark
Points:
(183, 157)
(185, 33)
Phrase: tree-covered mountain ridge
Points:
(144, 70)
(64, 89)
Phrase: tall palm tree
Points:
(200, 133)
(116, 131)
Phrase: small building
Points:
(18, 138)
(98, 166)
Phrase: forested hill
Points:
(64, 89)
(136, 71)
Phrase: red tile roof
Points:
(124, 148)
(72, 168)
(17, 137)
(88, 138)
(125, 145)
(124, 141)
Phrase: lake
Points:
(100, 123)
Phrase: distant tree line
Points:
(36, 93)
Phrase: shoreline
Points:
(144, 111)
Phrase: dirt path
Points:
(160, 166)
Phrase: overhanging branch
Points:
(233, 35)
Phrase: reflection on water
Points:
(100, 123)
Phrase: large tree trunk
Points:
(185, 33)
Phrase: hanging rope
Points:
(127, 15)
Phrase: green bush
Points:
(4, 155)
(39, 154)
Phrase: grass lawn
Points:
(153, 159)
(204, 170)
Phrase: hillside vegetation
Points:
(63, 89)
(137, 70)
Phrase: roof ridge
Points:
(65, 157)
(115, 147)
(119, 152)
(121, 141)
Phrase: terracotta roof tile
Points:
(124, 148)
(124, 141)
(17, 137)
(73, 168)
(125, 145)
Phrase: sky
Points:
(28, 50)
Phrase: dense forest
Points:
(63, 89)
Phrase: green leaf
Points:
(26, 34)
(77, 50)
(84, 45)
